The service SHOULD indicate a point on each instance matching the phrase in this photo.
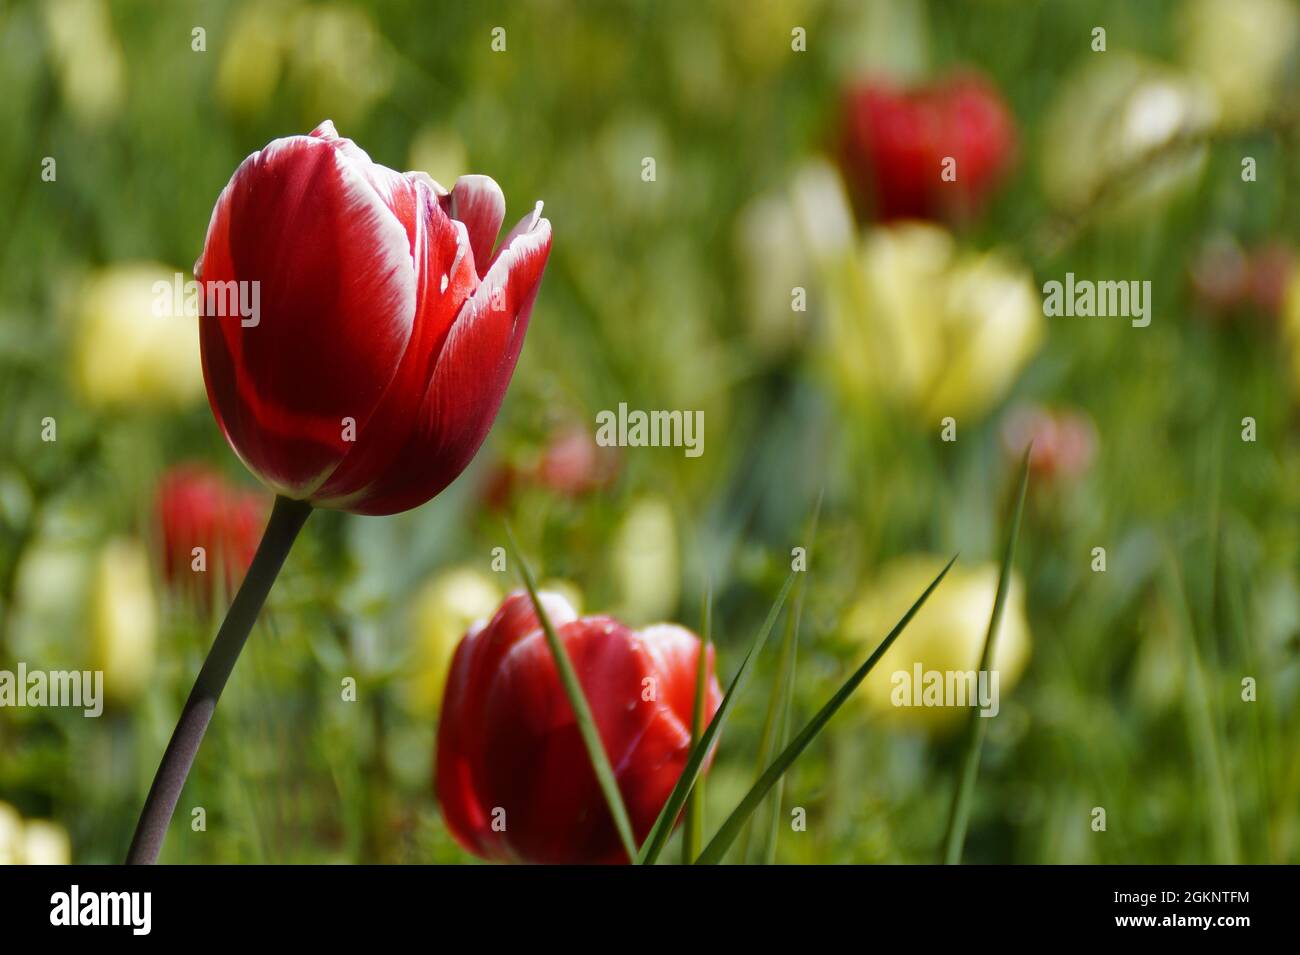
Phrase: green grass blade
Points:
(690, 772)
(581, 710)
(787, 705)
(767, 742)
(1203, 733)
(959, 815)
(726, 835)
(693, 836)
(775, 721)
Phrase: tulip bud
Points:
(129, 349)
(123, 619)
(387, 328)
(513, 775)
(946, 635)
(198, 508)
(445, 608)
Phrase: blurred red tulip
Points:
(1064, 441)
(893, 143)
(197, 507)
(513, 776)
(573, 464)
(386, 329)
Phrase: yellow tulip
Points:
(123, 619)
(946, 635)
(87, 58)
(939, 331)
(132, 346)
(252, 59)
(11, 835)
(339, 62)
(46, 843)
(31, 842)
(443, 610)
(1241, 48)
(645, 561)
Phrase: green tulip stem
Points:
(287, 518)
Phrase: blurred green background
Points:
(676, 294)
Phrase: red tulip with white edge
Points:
(359, 328)
(388, 330)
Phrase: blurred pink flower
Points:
(1064, 441)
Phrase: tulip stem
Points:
(287, 518)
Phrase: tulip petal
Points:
(469, 380)
(534, 763)
(478, 202)
(337, 296)
(460, 729)
(445, 281)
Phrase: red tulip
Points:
(387, 329)
(513, 776)
(893, 143)
(197, 507)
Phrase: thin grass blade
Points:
(767, 743)
(693, 836)
(776, 722)
(787, 706)
(959, 815)
(690, 772)
(726, 835)
(581, 710)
